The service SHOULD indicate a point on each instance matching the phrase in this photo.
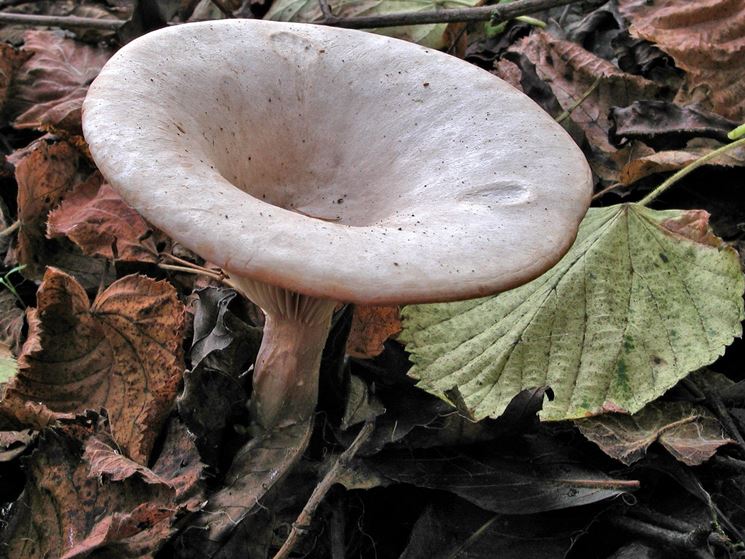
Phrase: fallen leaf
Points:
(706, 39)
(46, 171)
(10, 60)
(540, 477)
(665, 161)
(570, 71)
(96, 218)
(641, 299)
(122, 353)
(178, 465)
(64, 512)
(11, 321)
(216, 388)
(690, 433)
(371, 327)
(50, 86)
(664, 125)
(458, 529)
(429, 35)
(258, 468)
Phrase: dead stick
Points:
(502, 12)
(328, 481)
(61, 21)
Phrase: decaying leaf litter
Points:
(123, 412)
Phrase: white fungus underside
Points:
(336, 163)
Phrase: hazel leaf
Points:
(641, 299)
(122, 353)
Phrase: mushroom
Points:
(318, 165)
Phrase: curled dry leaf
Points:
(178, 465)
(664, 161)
(50, 86)
(45, 171)
(706, 39)
(96, 218)
(570, 71)
(64, 512)
(371, 327)
(122, 353)
(664, 125)
(690, 433)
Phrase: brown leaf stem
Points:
(12, 228)
(330, 479)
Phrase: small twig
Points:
(326, 9)
(329, 480)
(220, 5)
(473, 538)
(563, 116)
(11, 228)
(689, 169)
(65, 22)
(187, 270)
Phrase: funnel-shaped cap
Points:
(336, 163)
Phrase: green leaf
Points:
(642, 298)
(8, 365)
(433, 35)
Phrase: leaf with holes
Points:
(122, 353)
(690, 433)
(642, 298)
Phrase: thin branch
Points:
(501, 12)
(326, 9)
(65, 22)
(563, 116)
(185, 270)
(10, 229)
(328, 481)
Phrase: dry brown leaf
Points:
(10, 60)
(96, 218)
(672, 160)
(178, 466)
(706, 38)
(64, 512)
(371, 327)
(50, 86)
(688, 432)
(570, 71)
(45, 171)
(122, 353)
(11, 321)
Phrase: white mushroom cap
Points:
(336, 163)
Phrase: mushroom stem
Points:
(285, 380)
